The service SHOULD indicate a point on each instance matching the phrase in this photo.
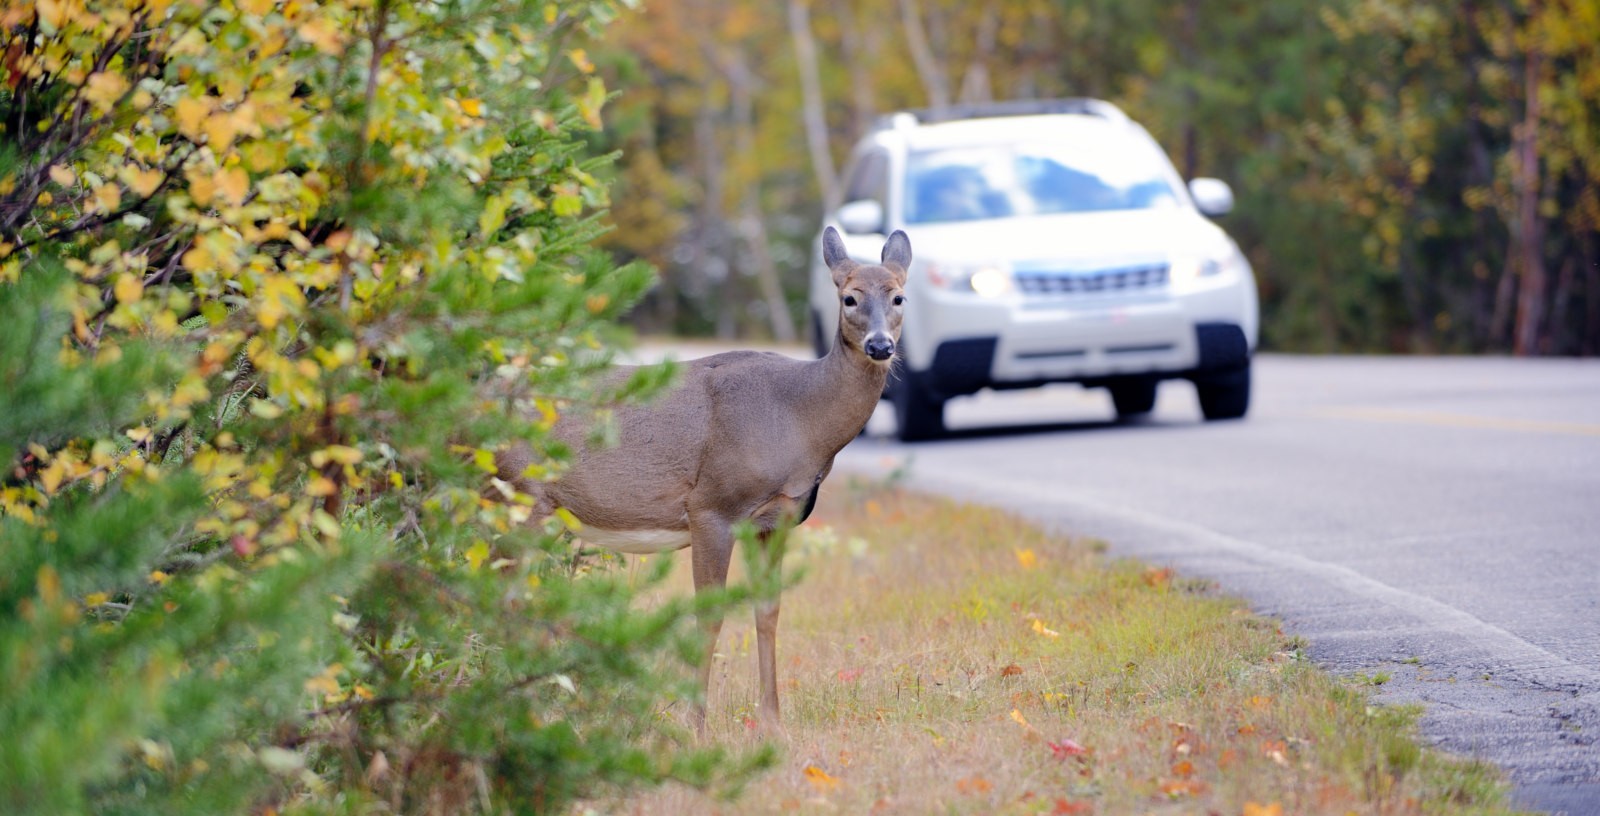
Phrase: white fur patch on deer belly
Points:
(637, 542)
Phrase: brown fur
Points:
(743, 435)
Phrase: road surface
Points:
(1435, 519)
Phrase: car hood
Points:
(1078, 238)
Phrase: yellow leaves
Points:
(278, 298)
(580, 60)
(591, 103)
(191, 113)
(476, 555)
(63, 175)
(129, 288)
(1027, 558)
(338, 454)
(159, 578)
(234, 184)
(326, 682)
(471, 107)
(1040, 628)
(103, 89)
(821, 780)
(96, 599)
(142, 181)
(1251, 808)
(323, 34)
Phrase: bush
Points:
(274, 282)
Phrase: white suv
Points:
(1054, 242)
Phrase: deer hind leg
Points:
(711, 549)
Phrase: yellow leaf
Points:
(472, 107)
(142, 181)
(220, 130)
(569, 519)
(1016, 716)
(63, 175)
(51, 477)
(820, 779)
(323, 34)
(1253, 809)
(580, 59)
(159, 578)
(198, 259)
(1027, 559)
(234, 184)
(202, 187)
(95, 598)
(476, 554)
(107, 196)
(192, 113)
(103, 89)
(1038, 626)
(129, 288)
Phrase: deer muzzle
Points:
(879, 346)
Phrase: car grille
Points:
(1084, 281)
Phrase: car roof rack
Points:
(985, 110)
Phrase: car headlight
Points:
(1189, 268)
(988, 280)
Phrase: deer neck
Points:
(842, 393)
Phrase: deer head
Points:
(871, 298)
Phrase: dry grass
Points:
(942, 658)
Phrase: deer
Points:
(742, 436)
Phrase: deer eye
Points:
(899, 300)
(850, 301)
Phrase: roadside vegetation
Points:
(937, 657)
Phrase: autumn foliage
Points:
(275, 278)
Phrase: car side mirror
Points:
(1212, 197)
(861, 217)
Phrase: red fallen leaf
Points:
(1066, 748)
(749, 723)
(1183, 770)
(1011, 670)
(1067, 807)
(1176, 788)
(850, 675)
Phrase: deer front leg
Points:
(767, 635)
(711, 549)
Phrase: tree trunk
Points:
(814, 109)
(1531, 294)
(976, 85)
(928, 68)
(752, 226)
(861, 44)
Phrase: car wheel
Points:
(1224, 394)
(1132, 396)
(918, 414)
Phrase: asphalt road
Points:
(1435, 519)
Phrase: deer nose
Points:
(880, 346)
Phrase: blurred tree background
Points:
(1411, 176)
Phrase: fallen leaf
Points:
(1027, 558)
(1067, 807)
(974, 784)
(1253, 809)
(1183, 769)
(1067, 748)
(850, 675)
(1011, 671)
(1038, 626)
(1158, 578)
(1178, 788)
(1259, 702)
(820, 779)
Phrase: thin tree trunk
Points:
(752, 227)
(976, 85)
(1531, 295)
(815, 112)
(928, 68)
(862, 44)
(708, 272)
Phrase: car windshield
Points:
(1088, 172)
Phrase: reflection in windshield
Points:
(997, 181)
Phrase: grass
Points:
(946, 658)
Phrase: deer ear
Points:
(898, 250)
(835, 256)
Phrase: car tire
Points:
(1224, 394)
(1132, 396)
(918, 414)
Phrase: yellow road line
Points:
(1459, 420)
